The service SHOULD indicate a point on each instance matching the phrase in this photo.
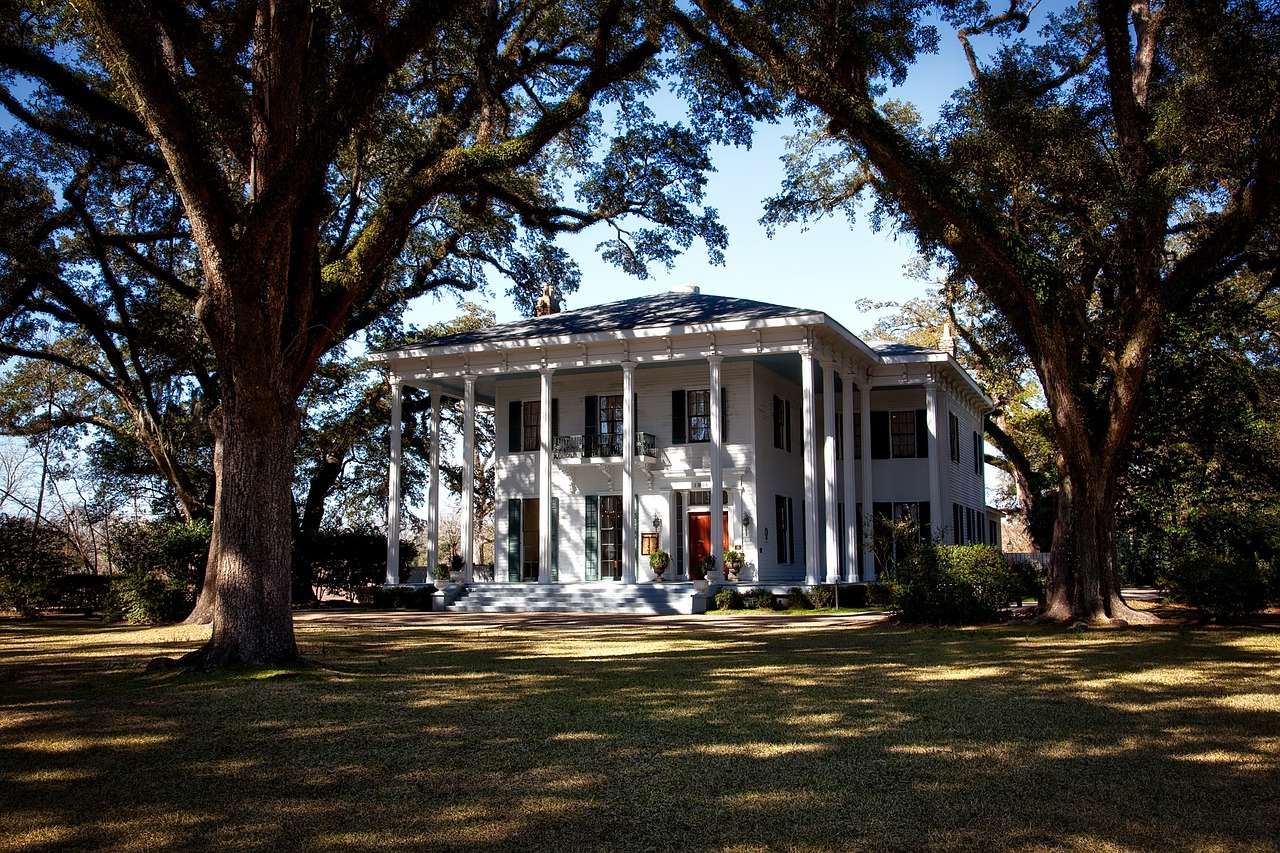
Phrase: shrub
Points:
(759, 599)
(798, 599)
(1223, 588)
(853, 595)
(161, 567)
(728, 599)
(397, 597)
(880, 595)
(957, 584)
(32, 559)
(343, 561)
(1030, 578)
(822, 597)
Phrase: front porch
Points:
(603, 597)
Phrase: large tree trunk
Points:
(251, 548)
(1083, 582)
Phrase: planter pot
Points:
(658, 572)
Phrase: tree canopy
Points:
(282, 175)
(1090, 183)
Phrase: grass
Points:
(561, 735)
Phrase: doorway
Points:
(700, 541)
(529, 541)
(611, 537)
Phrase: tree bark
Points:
(250, 553)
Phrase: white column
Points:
(864, 523)
(717, 470)
(393, 486)
(468, 478)
(811, 493)
(830, 513)
(935, 482)
(433, 493)
(544, 479)
(629, 520)
(852, 526)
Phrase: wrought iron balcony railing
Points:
(601, 446)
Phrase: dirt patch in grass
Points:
(582, 736)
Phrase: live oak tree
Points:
(332, 161)
(1090, 183)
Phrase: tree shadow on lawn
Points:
(627, 739)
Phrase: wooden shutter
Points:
(593, 537)
(880, 441)
(555, 540)
(977, 454)
(555, 417)
(922, 434)
(515, 426)
(786, 408)
(590, 415)
(926, 521)
(513, 540)
(724, 415)
(780, 524)
(677, 418)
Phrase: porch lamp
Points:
(746, 519)
(657, 524)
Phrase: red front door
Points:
(700, 541)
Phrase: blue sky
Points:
(827, 265)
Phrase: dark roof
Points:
(883, 347)
(656, 311)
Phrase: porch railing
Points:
(601, 446)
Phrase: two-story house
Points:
(695, 424)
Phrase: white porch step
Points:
(651, 599)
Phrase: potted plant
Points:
(658, 561)
(734, 560)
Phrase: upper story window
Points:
(899, 435)
(691, 416)
(781, 423)
(954, 423)
(902, 434)
(531, 424)
(609, 414)
(524, 424)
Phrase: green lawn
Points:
(730, 737)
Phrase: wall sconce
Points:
(746, 519)
(657, 524)
(766, 534)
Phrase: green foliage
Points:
(32, 560)
(728, 599)
(954, 584)
(397, 597)
(798, 599)
(160, 568)
(759, 599)
(1224, 588)
(659, 559)
(343, 561)
(822, 597)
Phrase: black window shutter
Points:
(780, 524)
(591, 415)
(677, 418)
(922, 434)
(513, 540)
(879, 435)
(926, 521)
(977, 453)
(787, 407)
(777, 421)
(515, 426)
(555, 416)
(724, 415)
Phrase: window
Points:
(784, 511)
(781, 423)
(531, 424)
(899, 435)
(691, 416)
(954, 423)
(524, 424)
(698, 416)
(902, 434)
(609, 414)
